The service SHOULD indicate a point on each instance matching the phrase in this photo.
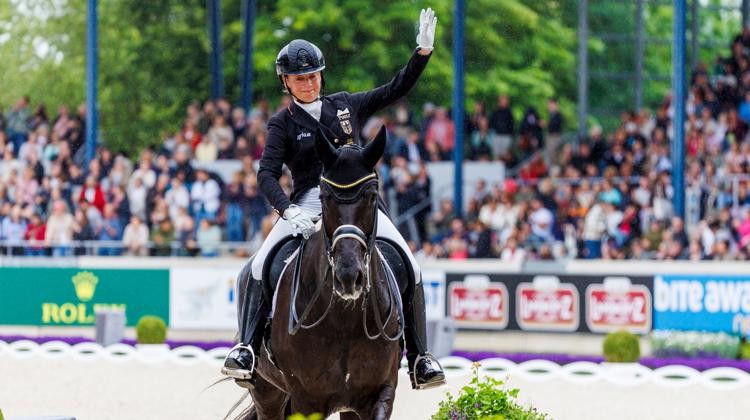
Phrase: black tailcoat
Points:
(292, 132)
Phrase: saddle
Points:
(278, 259)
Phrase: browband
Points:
(353, 184)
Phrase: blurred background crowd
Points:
(607, 195)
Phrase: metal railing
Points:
(33, 248)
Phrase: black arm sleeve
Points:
(372, 101)
(271, 164)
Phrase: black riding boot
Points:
(241, 361)
(424, 370)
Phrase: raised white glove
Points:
(427, 23)
(301, 222)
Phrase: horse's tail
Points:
(248, 413)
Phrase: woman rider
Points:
(291, 139)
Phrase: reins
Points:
(368, 242)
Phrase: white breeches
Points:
(310, 203)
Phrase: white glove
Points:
(300, 221)
(427, 23)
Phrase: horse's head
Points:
(349, 192)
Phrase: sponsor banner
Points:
(477, 302)
(702, 303)
(434, 294)
(71, 296)
(564, 303)
(203, 298)
(617, 304)
(545, 304)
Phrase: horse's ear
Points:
(325, 151)
(374, 149)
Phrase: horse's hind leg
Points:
(270, 401)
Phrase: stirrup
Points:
(413, 373)
(242, 374)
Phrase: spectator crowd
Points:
(607, 195)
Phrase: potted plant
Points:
(151, 334)
(485, 398)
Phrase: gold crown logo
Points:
(85, 284)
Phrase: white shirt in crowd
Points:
(541, 222)
(137, 198)
(177, 198)
(135, 238)
(499, 218)
(148, 177)
(513, 254)
(594, 224)
(206, 195)
(613, 220)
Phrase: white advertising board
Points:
(434, 294)
(203, 298)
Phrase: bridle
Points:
(344, 194)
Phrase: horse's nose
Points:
(349, 281)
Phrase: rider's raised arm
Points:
(271, 164)
(369, 102)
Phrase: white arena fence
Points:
(626, 375)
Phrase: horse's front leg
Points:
(270, 402)
(382, 407)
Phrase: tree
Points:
(154, 54)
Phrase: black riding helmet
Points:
(300, 57)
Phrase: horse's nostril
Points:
(360, 280)
(349, 281)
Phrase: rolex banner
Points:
(71, 296)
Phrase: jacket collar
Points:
(301, 117)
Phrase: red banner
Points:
(485, 307)
(541, 309)
(608, 310)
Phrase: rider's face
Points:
(305, 87)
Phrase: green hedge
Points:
(151, 330)
(622, 347)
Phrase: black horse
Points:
(334, 344)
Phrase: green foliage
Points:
(622, 347)
(314, 416)
(666, 343)
(153, 55)
(745, 351)
(151, 330)
(485, 398)
(1, 415)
